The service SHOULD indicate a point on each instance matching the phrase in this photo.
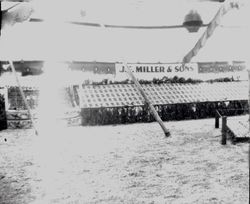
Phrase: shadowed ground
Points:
(123, 164)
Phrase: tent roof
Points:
(59, 41)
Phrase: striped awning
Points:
(117, 95)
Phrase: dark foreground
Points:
(123, 164)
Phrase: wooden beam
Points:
(152, 109)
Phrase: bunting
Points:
(227, 6)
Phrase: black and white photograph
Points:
(124, 102)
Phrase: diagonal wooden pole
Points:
(23, 96)
(153, 111)
(139, 88)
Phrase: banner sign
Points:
(159, 70)
(220, 67)
(94, 67)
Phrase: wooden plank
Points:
(239, 128)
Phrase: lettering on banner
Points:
(163, 68)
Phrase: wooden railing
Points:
(225, 130)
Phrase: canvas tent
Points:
(59, 41)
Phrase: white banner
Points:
(150, 71)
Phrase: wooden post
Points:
(153, 111)
(217, 119)
(224, 131)
(23, 96)
(249, 120)
(6, 98)
(249, 100)
(72, 93)
(80, 91)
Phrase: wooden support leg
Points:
(153, 111)
(80, 91)
(249, 119)
(217, 120)
(249, 101)
(6, 98)
(224, 131)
